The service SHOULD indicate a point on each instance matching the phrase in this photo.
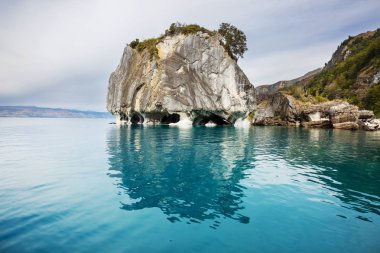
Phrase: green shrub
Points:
(251, 116)
(150, 45)
(234, 40)
(134, 43)
(175, 28)
(294, 90)
(178, 28)
(372, 99)
(191, 29)
(321, 99)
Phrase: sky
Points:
(56, 53)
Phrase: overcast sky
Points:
(60, 53)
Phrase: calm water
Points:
(82, 185)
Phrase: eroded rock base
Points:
(195, 118)
(284, 110)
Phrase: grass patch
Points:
(150, 45)
(297, 91)
(321, 99)
(176, 28)
(251, 115)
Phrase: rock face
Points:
(353, 73)
(283, 109)
(193, 78)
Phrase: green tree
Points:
(234, 40)
(134, 43)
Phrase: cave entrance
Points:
(170, 118)
(137, 118)
(212, 118)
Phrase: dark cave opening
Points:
(170, 118)
(203, 120)
(137, 118)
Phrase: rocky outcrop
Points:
(192, 78)
(353, 74)
(283, 109)
(279, 110)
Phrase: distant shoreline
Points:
(45, 112)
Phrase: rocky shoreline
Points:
(284, 110)
(190, 78)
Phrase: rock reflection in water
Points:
(191, 174)
(204, 173)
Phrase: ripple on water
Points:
(114, 189)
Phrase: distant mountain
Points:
(263, 91)
(41, 112)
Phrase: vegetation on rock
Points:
(372, 99)
(134, 43)
(352, 76)
(178, 28)
(298, 92)
(234, 40)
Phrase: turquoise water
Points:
(83, 185)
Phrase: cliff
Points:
(344, 94)
(353, 73)
(180, 77)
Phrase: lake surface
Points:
(83, 185)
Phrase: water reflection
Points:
(191, 174)
(337, 163)
(200, 174)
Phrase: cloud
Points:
(286, 64)
(60, 53)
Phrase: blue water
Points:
(83, 185)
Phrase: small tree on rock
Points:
(134, 43)
(234, 40)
